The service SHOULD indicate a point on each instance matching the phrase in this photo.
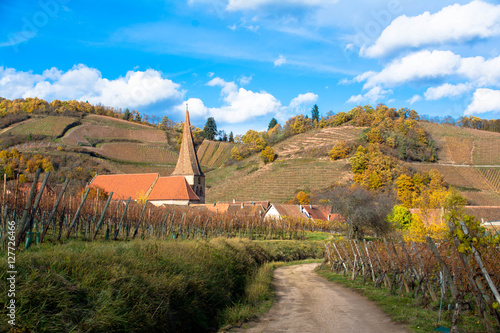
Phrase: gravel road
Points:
(307, 302)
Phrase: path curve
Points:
(307, 302)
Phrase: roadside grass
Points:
(318, 236)
(141, 286)
(404, 309)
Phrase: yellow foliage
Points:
(235, 154)
(418, 230)
(268, 154)
(303, 198)
(340, 150)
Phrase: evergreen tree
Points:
(126, 114)
(210, 129)
(231, 137)
(272, 123)
(315, 113)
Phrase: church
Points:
(185, 186)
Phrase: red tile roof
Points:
(289, 210)
(172, 188)
(126, 185)
(315, 212)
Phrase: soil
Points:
(307, 302)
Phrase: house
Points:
(313, 212)
(185, 186)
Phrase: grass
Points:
(141, 286)
(137, 152)
(404, 309)
(51, 126)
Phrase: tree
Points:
(235, 154)
(362, 209)
(210, 129)
(303, 198)
(231, 137)
(342, 149)
(315, 113)
(272, 123)
(268, 154)
(126, 114)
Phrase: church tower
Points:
(187, 164)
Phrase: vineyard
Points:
(214, 153)
(492, 175)
(49, 126)
(461, 278)
(137, 152)
(41, 217)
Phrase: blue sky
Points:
(246, 61)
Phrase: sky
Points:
(244, 62)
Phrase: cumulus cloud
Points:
(280, 61)
(414, 99)
(425, 65)
(446, 90)
(236, 5)
(373, 95)
(195, 106)
(456, 23)
(301, 99)
(83, 83)
(241, 104)
(484, 100)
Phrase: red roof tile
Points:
(126, 185)
(172, 188)
(315, 212)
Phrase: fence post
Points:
(102, 215)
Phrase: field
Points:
(492, 175)
(214, 153)
(137, 152)
(50, 126)
(277, 182)
(465, 146)
(297, 145)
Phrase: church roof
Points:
(172, 188)
(187, 164)
(124, 186)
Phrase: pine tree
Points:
(231, 137)
(272, 123)
(210, 129)
(315, 113)
(126, 114)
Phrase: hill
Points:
(214, 153)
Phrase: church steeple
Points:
(187, 164)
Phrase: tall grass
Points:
(139, 286)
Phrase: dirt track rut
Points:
(307, 302)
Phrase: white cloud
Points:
(484, 100)
(280, 61)
(241, 104)
(373, 95)
(87, 84)
(301, 99)
(446, 90)
(244, 80)
(195, 106)
(456, 23)
(425, 65)
(414, 99)
(235, 5)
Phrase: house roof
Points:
(289, 210)
(316, 212)
(172, 188)
(187, 164)
(264, 204)
(124, 186)
(245, 210)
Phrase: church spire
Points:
(187, 164)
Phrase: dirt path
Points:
(307, 302)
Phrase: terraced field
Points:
(277, 182)
(492, 175)
(465, 146)
(459, 176)
(79, 135)
(214, 153)
(51, 126)
(296, 145)
(137, 152)
(484, 198)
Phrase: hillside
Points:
(82, 146)
(469, 159)
(302, 164)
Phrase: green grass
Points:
(50, 126)
(140, 286)
(404, 309)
